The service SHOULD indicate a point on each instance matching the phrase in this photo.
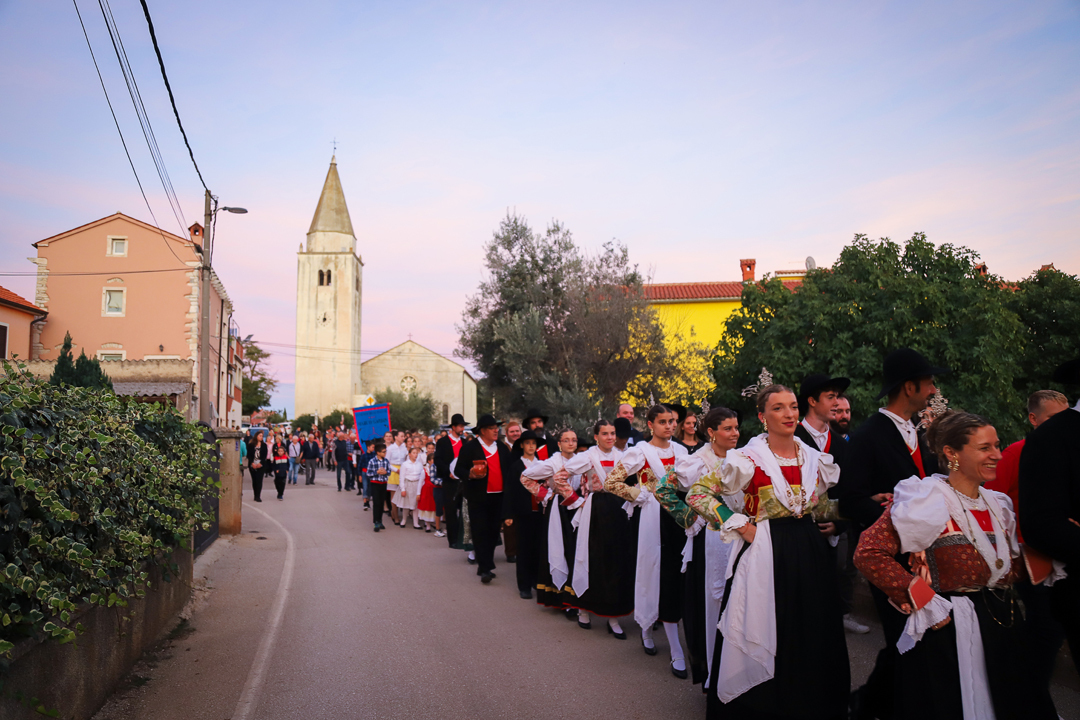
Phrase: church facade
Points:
(411, 367)
(329, 278)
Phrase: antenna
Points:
(811, 264)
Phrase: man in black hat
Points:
(446, 452)
(1050, 503)
(481, 466)
(535, 421)
(884, 450)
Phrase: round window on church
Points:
(408, 384)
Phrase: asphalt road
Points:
(316, 616)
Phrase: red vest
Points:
(542, 452)
(494, 478)
(455, 444)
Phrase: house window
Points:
(117, 247)
(3, 340)
(327, 277)
(111, 356)
(113, 302)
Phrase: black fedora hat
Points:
(623, 428)
(1068, 373)
(487, 420)
(534, 413)
(457, 419)
(679, 410)
(816, 383)
(903, 365)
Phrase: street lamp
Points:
(204, 301)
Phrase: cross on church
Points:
(410, 336)
(335, 145)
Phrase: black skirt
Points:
(694, 613)
(672, 541)
(612, 560)
(812, 676)
(546, 592)
(932, 666)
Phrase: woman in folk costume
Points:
(780, 648)
(658, 579)
(706, 560)
(545, 480)
(963, 652)
(410, 475)
(602, 576)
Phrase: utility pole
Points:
(204, 325)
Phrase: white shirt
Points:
(821, 439)
(1076, 407)
(397, 454)
(906, 428)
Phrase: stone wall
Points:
(75, 679)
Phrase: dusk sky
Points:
(695, 133)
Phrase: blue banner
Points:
(372, 422)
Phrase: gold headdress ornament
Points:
(765, 379)
(935, 408)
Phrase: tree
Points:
(336, 418)
(304, 423)
(880, 296)
(555, 328)
(408, 412)
(258, 383)
(83, 372)
(1048, 305)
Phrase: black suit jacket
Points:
(517, 501)
(877, 458)
(475, 490)
(1050, 489)
(838, 448)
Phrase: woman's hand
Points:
(827, 529)
(748, 532)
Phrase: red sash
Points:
(828, 443)
(916, 455)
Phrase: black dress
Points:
(612, 560)
(812, 676)
(547, 594)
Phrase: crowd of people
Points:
(755, 547)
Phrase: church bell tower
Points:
(328, 284)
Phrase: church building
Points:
(411, 367)
(328, 284)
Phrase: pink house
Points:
(128, 293)
(17, 316)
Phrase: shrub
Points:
(94, 488)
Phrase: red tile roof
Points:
(9, 298)
(703, 290)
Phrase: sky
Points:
(696, 134)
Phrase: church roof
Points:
(413, 348)
(332, 214)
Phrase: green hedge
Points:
(94, 488)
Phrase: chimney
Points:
(748, 269)
(196, 231)
(981, 269)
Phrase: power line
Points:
(165, 77)
(120, 132)
(140, 112)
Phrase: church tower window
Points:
(322, 277)
(327, 277)
(445, 414)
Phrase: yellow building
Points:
(698, 311)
